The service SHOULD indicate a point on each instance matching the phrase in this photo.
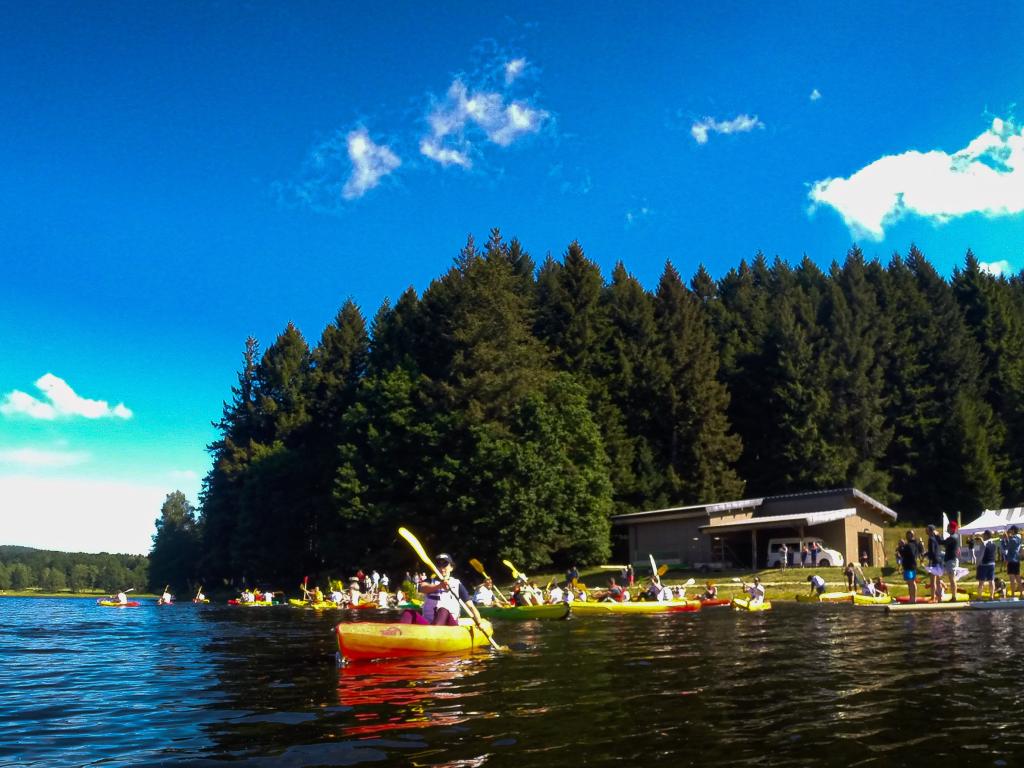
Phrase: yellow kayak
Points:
(871, 599)
(653, 606)
(376, 640)
(743, 604)
(322, 605)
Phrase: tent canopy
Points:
(995, 520)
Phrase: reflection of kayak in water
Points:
(402, 694)
(376, 640)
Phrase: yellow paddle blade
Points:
(515, 573)
(478, 567)
(406, 534)
(663, 569)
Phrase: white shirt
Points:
(817, 581)
(483, 596)
(556, 594)
(122, 597)
(166, 597)
(756, 592)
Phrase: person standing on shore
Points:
(784, 556)
(987, 565)
(1011, 554)
(803, 556)
(909, 551)
(951, 557)
(934, 567)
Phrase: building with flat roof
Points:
(747, 533)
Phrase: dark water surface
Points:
(803, 685)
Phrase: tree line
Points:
(511, 409)
(23, 568)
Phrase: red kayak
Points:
(713, 602)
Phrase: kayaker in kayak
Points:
(615, 593)
(166, 598)
(881, 588)
(441, 606)
(756, 591)
(484, 594)
(817, 585)
(908, 553)
(122, 598)
(710, 591)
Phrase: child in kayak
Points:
(710, 591)
(445, 598)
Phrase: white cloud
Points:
(996, 267)
(184, 474)
(370, 163)
(638, 215)
(514, 69)
(432, 148)
(36, 458)
(986, 177)
(739, 124)
(465, 111)
(59, 400)
(75, 515)
(815, 95)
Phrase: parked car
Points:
(826, 557)
(717, 565)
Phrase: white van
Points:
(826, 557)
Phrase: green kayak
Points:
(521, 612)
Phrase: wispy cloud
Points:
(457, 121)
(513, 69)
(986, 177)
(36, 458)
(370, 163)
(815, 95)
(184, 474)
(638, 215)
(59, 400)
(996, 267)
(702, 129)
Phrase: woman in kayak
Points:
(756, 591)
(710, 591)
(442, 604)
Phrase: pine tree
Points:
(692, 432)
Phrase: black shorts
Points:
(1013, 568)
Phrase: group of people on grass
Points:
(942, 558)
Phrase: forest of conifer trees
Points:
(510, 410)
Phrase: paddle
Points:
(515, 574)
(479, 568)
(406, 534)
(198, 593)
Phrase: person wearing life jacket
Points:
(442, 603)
(122, 597)
(317, 596)
(166, 598)
(756, 592)
(710, 591)
(615, 594)
(484, 594)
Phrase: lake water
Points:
(803, 685)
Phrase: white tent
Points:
(995, 520)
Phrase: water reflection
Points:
(402, 694)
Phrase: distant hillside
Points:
(28, 568)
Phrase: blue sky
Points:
(175, 177)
